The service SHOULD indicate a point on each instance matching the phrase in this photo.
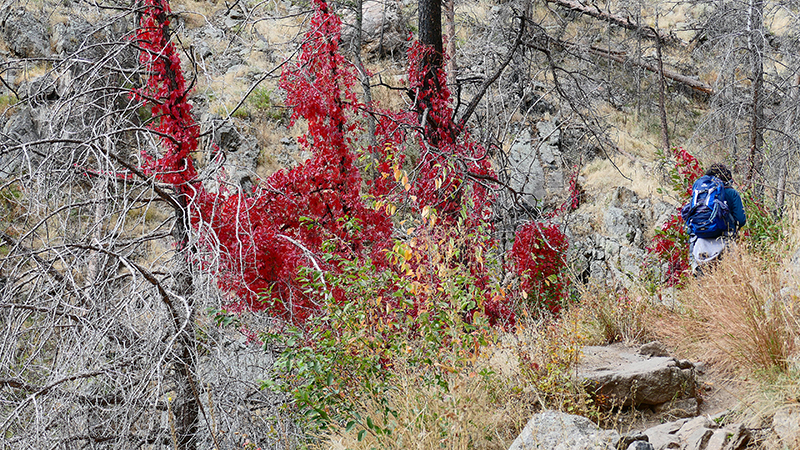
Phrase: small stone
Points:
(700, 368)
(685, 364)
(626, 440)
(654, 348)
(641, 445)
(679, 408)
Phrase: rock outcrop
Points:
(647, 377)
(699, 433)
(552, 430)
(384, 29)
(620, 375)
(612, 251)
(533, 168)
(25, 35)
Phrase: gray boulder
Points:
(699, 433)
(533, 166)
(70, 36)
(526, 172)
(622, 376)
(623, 217)
(611, 251)
(240, 149)
(552, 430)
(19, 130)
(25, 35)
(384, 29)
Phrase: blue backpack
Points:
(707, 216)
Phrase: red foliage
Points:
(574, 198)
(267, 236)
(670, 246)
(287, 223)
(685, 171)
(166, 92)
(449, 160)
(538, 255)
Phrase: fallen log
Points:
(622, 58)
(623, 22)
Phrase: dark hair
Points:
(720, 171)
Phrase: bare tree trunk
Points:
(187, 410)
(755, 43)
(430, 36)
(622, 57)
(450, 24)
(623, 22)
(661, 94)
(182, 310)
(788, 142)
(430, 29)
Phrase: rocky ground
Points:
(657, 401)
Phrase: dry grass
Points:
(737, 317)
(485, 406)
(606, 316)
(31, 72)
(196, 14)
(603, 176)
(477, 413)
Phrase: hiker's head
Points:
(720, 171)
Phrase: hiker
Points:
(713, 216)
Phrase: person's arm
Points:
(736, 207)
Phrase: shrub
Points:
(667, 258)
(538, 255)
(341, 367)
(608, 316)
(764, 232)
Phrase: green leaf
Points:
(350, 425)
(361, 435)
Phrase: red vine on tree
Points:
(287, 223)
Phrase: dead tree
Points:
(107, 342)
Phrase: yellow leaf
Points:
(447, 368)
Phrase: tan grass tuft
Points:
(607, 316)
(477, 412)
(486, 405)
(737, 317)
